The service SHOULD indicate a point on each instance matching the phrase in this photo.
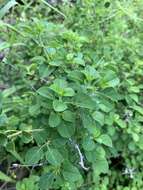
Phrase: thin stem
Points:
(14, 134)
(20, 132)
(3, 185)
(51, 7)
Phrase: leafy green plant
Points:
(72, 102)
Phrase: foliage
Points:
(71, 98)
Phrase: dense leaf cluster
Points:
(71, 97)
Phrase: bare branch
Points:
(81, 162)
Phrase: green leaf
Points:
(135, 137)
(44, 70)
(98, 116)
(55, 63)
(84, 101)
(54, 119)
(3, 119)
(139, 109)
(88, 144)
(105, 139)
(34, 109)
(71, 173)
(4, 45)
(140, 142)
(111, 93)
(101, 166)
(59, 86)
(106, 106)
(10, 147)
(41, 136)
(26, 137)
(3, 139)
(109, 79)
(46, 181)
(109, 119)
(33, 155)
(90, 73)
(69, 92)
(134, 89)
(59, 106)
(45, 92)
(54, 157)
(68, 116)
(121, 123)
(134, 97)
(9, 91)
(6, 8)
(76, 76)
(90, 125)
(79, 61)
(97, 154)
(5, 178)
(114, 82)
(66, 130)
(30, 183)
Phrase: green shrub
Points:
(72, 111)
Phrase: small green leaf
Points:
(54, 119)
(26, 137)
(41, 136)
(46, 181)
(54, 157)
(5, 178)
(59, 86)
(68, 116)
(106, 106)
(44, 70)
(66, 130)
(3, 119)
(112, 94)
(135, 137)
(59, 106)
(71, 173)
(90, 73)
(10, 147)
(105, 139)
(45, 92)
(139, 109)
(84, 101)
(101, 166)
(109, 79)
(3, 140)
(69, 92)
(97, 154)
(88, 144)
(79, 61)
(140, 142)
(121, 123)
(76, 76)
(34, 109)
(90, 125)
(55, 63)
(30, 183)
(33, 155)
(98, 116)
(4, 45)
(9, 91)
